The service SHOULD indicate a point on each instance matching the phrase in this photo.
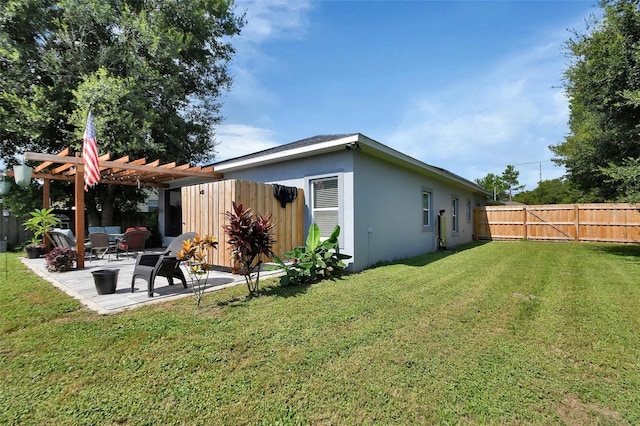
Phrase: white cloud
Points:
(272, 19)
(241, 139)
(509, 115)
(251, 99)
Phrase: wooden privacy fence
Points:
(204, 206)
(615, 223)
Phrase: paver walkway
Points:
(80, 285)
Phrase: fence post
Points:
(576, 221)
(524, 223)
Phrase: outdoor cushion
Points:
(105, 229)
(112, 230)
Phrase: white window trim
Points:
(455, 215)
(308, 184)
(429, 227)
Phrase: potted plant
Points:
(41, 222)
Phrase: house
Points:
(388, 205)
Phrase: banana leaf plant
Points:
(316, 261)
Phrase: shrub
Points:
(316, 261)
(196, 252)
(60, 259)
(250, 238)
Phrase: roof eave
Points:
(277, 157)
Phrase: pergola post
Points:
(46, 203)
(46, 193)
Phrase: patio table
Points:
(113, 238)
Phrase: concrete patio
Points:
(80, 284)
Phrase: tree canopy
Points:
(152, 72)
(501, 186)
(603, 86)
(553, 191)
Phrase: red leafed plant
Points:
(251, 239)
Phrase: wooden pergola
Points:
(120, 171)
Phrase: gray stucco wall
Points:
(299, 172)
(388, 212)
(381, 203)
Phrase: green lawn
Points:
(515, 333)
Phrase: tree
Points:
(510, 178)
(501, 186)
(603, 86)
(626, 178)
(554, 191)
(493, 184)
(152, 73)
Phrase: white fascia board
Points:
(276, 157)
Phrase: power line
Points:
(539, 164)
(534, 162)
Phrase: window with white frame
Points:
(426, 209)
(325, 204)
(454, 216)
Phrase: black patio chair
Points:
(149, 266)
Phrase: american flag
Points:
(90, 155)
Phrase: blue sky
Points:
(470, 86)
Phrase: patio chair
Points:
(60, 239)
(149, 266)
(100, 245)
(131, 241)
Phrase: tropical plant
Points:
(60, 259)
(316, 261)
(196, 252)
(250, 237)
(41, 222)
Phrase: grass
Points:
(515, 333)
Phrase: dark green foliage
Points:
(250, 237)
(152, 72)
(554, 191)
(626, 177)
(501, 187)
(316, 261)
(60, 259)
(603, 85)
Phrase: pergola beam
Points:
(121, 171)
(115, 165)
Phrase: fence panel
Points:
(204, 205)
(616, 223)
